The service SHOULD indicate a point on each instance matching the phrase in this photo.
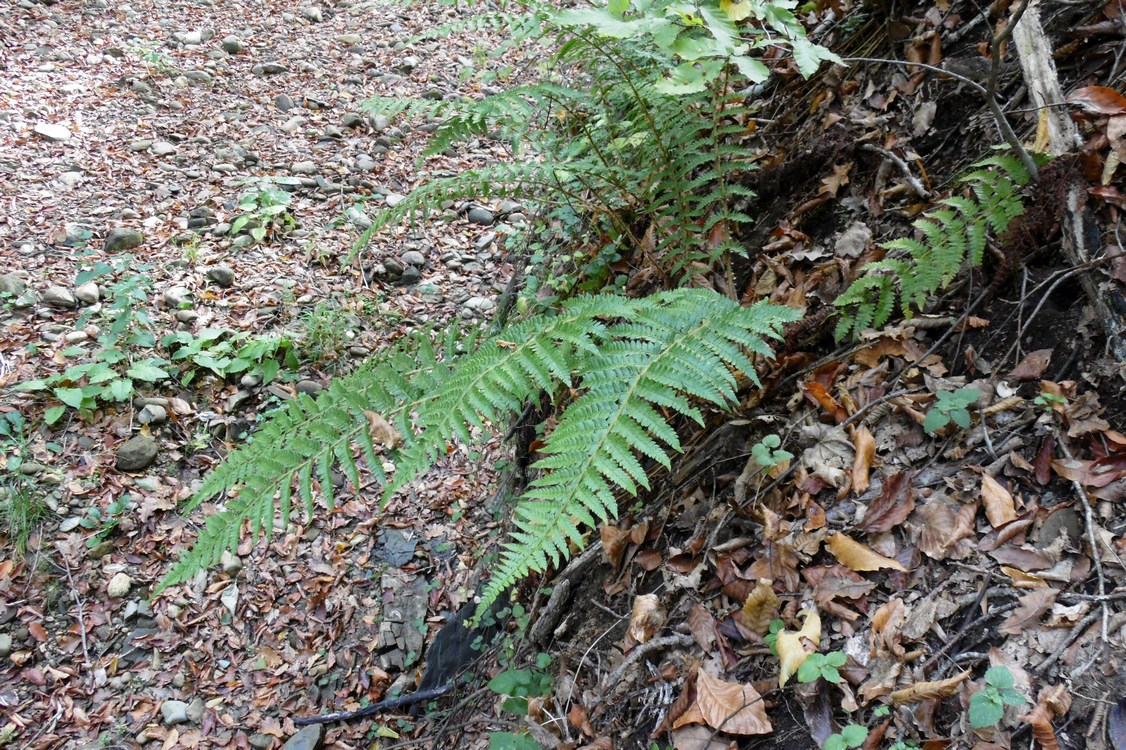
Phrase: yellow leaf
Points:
(998, 502)
(646, 619)
(791, 649)
(761, 606)
(736, 10)
(858, 557)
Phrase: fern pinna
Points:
(633, 359)
(951, 236)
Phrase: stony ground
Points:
(129, 132)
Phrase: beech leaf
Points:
(732, 707)
(859, 557)
(792, 652)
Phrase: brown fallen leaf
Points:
(732, 707)
(862, 462)
(382, 433)
(1032, 366)
(702, 626)
(1099, 100)
(1032, 607)
(859, 557)
(892, 507)
(761, 606)
(646, 619)
(922, 691)
(999, 508)
(700, 737)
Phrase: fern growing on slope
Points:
(951, 236)
(631, 356)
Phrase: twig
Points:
(991, 94)
(1076, 631)
(1096, 554)
(643, 650)
(912, 180)
(81, 618)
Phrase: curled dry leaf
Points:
(731, 707)
(646, 619)
(1041, 721)
(862, 462)
(1032, 607)
(1098, 100)
(382, 433)
(791, 647)
(999, 508)
(761, 606)
(615, 540)
(922, 691)
(859, 557)
(892, 507)
(1032, 366)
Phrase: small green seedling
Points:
(951, 406)
(105, 523)
(851, 736)
(1048, 401)
(520, 684)
(771, 637)
(264, 208)
(824, 666)
(768, 453)
(988, 704)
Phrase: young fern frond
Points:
(916, 269)
(632, 357)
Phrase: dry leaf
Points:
(998, 502)
(887, 623)
(615, 540)
(761, 606)
(731, 707)
(382, 433)
(892, 507)
(1099, 99)
(862, 463)
(922, 691)
(646, 619)
(699, 737)
(1032, 366)
(856, 556)
(1041, 721)
(1032, 607)
(791, 650)
(702, 626)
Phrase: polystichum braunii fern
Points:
(951, 236)
(629, 360)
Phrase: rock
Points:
(269, 69)
(188, 37)
(506, 207)
(232, 45)
(357, 218)
(407, 64)
(313, 13)
(413, 258)
(12, 284)
(136, 454)
(58, 296)
(52, 132)
(174, 712)
(177, 298)
(152, 414)
(195, 710)
(5, 644)
(309, 738)
(121, 238)
(88, 293)
(283, 102)
(411, 275)
(163, 148)
(365, 164)
(394, 199)
(304, 167)
(352, 120)
(119, 586)
(309, 387)
(349, 39)
(260, 741)
(485, 240)
(141, 144)
(480, 304)
(230, 563)
(482, 216)
(223, 276)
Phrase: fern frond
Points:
(677, 345)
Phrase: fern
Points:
(950, 237)
(633, 357)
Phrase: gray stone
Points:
(411, 275)
(352, 120)
(309, 738)
(12, 284)
(407, 64)
(174, 712)
(260, 741)
(480, 304)
(349, 39)
(163, 148)
(188, 37)
(309, 387)
(52, 132)
(482, 216)
(365, 164)
(177, 297)
(233, 45)
(141, 144)
(313, 13)
(136, 454)
(357, 218)
(58, 296)
(230, 563)
(122, 238)
(283, 102)
(269, 69)
(195, 710)
(119, 586)
(414, 258)
(5, 644)
(304, 167)
(88, 293)
(223, 276)
(394, 199)
(152, 414)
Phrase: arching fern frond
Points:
(950, 237)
